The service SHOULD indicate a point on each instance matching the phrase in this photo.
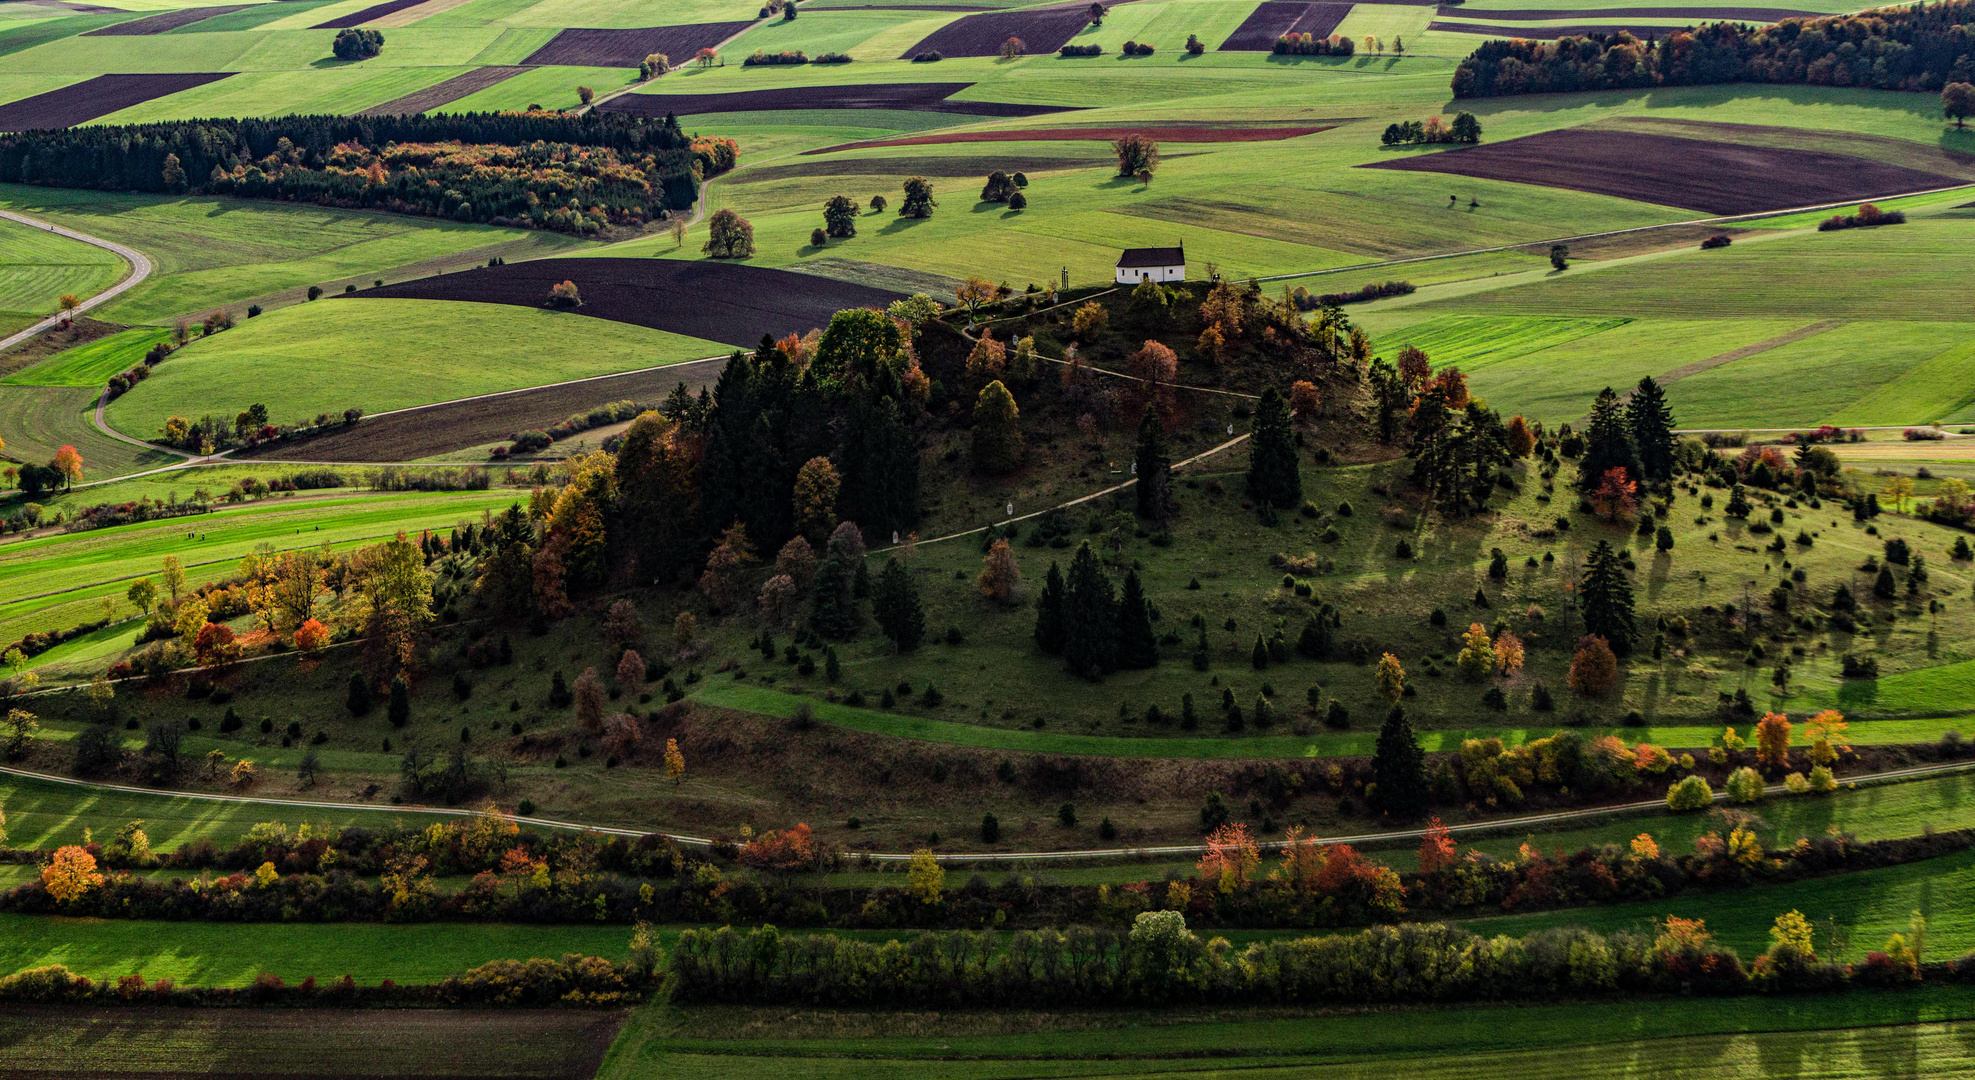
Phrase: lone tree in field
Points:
(840, 217)
(353, 43)
(1607, 443)
(997, 430)
(918, 199)
(729, 236)
(1273, 476)
(564, 296)
(999, 188)
(585, 94)
(1650, 422)
(1155, 471)
(1560, 256)
(1399, 768)
(1958, 102)
(895, 604)
(1137, 154)
(1013, 48)
(1606, 594)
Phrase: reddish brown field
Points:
(1551, 33)
(1177, 133)
(408, 436)
(358, 18)
(233, 1044)
(91, 98)
(628, 48)
(1698, 14)
(1713, 177)
(918, 97)
(162, 21)
(444, 93)
(1274, 18)
(1042, 30)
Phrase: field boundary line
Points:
(140, 268)
(1511, 824)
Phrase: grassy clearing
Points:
(93, 364)
(550, 87)
(38, 267)
(330, 90)
(36, 421)
(327, 356)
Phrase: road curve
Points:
(140, 268)
(1515, 824)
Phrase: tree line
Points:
(1924, 47)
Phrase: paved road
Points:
(140, 268)
(1508, 825)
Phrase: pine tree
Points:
(1606, 594)
(1049, 613)
(400, 708)
(1090, 620)
(1607, 443)
(1273, 477)
(358, 701)
(1137, 646)
(1650, 423)
(1155, 470)
(833, 592)
(1399, 768)
(895, 604)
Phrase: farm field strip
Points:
(164, 20)
(92, 98)
(1274, 19)
(628, 48)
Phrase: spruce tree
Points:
(359, 695)
(1090, 620)
(1606, 593)
(400, 708)
(1273, 477)
(1650, 423)
(832, 593)
(1049, 613)
(895, 604)
(1607, 443)
(1137, 647)
(1155, 470)
(1399, 768)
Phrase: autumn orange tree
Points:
(1616, 497)
(1000, 576)
(1232, 858)
(1594, 668)
(68, 462)
(1773, 740)
(70, 874)
(1436, 848)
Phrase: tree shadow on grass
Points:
(899, 225)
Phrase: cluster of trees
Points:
(544, 170)
(1923, 47)
(357, 43)
(1464, 129)
(1868, 216)
(573, 980)
(1159, 961)
(1311, 45)
(1095, 630)
(59, 474)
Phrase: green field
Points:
(38, 268)
(92, 365)
(36, 421)
(324, 357)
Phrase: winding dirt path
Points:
(140, 268)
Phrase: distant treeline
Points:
(1918, 48)
(544, 169)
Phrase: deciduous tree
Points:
(729, 235)
(997, 431)
(1000, 576)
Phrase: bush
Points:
(1689, 793)
(928, 57)
(1745, 785)
(1081, 50)
(1718, 240)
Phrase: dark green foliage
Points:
(1089, 617)
(895, 604)
(1259, 658)
(1650, 422)
(98, 750)
(358, 698)
(833, 591)
(1607, 443)
(357, 43)
(990, 829)
(1154, 469)
(1137, 647)
(1049, 613)
(1606, 597)
(1213, 812)
(1273, 476)
(1399, 768)
(1884, 587)
(400, 708)
(840, 217)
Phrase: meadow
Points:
(38, 268)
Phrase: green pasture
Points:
(37, 268)
(212, 251)
(348, 89)
(1915, 1033)
(549, 87)
(332, 354)
(92, 365)
(36, 421)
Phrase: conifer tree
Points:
(895, 604)
(1399, 768)
(1607, 443)
(997, 430)
(400, 707)
(1155, 471)
(1049, 613)
(1137, 646)
(1273, 476)
(1090, 620)
(1606, 594)
(1650, 423)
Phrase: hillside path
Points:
(140, 268)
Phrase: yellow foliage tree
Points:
(1391, 679)
(70, 874)
(925, 878)
(675, 762)
(1477, 654)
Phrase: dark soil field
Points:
(628, 48)
(724, 302)
(91, 98)
(1043, 30)
(920, 97)
(1179, 133)
(446, 92)
(1274, 18)
(165, 1044)
(973, 166)
(1551, 33)
(1698, 14)
(375, 11)
(163, 21)
(1714, 177)
(408, 436)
